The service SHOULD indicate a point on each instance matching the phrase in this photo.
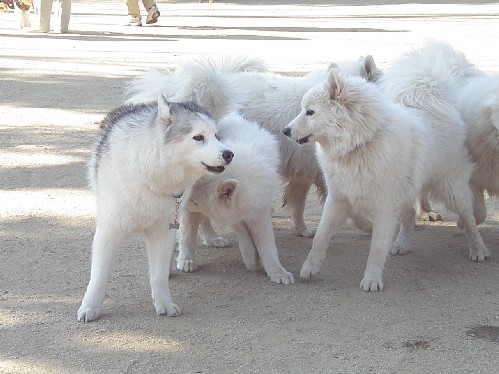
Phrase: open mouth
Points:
(304, 140)
(214, 169)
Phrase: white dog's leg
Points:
(246, 246)
(187, 243)
(295, 196)
(384, 225)
(460, 200)
(160, 244)
(209, 235)
(335, 212)
(479, 207)
(262, 233)
(104, 248)
(402, 244)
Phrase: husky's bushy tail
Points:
(428, 78)
(211, 79)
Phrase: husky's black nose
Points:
(227, 156)
(287, 131)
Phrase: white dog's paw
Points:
(168, 309)
(218, 242)
(479, 255)
(282, 277)
(186, 265)
(86, 314)
(305, 232)
(371, 285)
(398, 249)
(310, 267)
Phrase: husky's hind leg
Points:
(295, 196)
(104, 248)
(402, 244)
(160, 243)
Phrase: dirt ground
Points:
(439, 312)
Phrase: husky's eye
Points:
(198, 138)
(310, 112)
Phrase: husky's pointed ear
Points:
(227, 188)
(164, 111)
(369, 70)
(334, 84)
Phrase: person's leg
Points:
(134, 13)
(152, 11)
(64, 13)
(44, 13)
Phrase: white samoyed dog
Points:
(269, 99)
(241, 198)
(378, 157)
(144, 157)
(476, 96)
(478, 103)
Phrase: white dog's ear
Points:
(227, 188)
(334, 84)
(369, 69)
(164, 111)
(332, 65)
(195, 97)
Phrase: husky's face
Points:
(334, 114)
(192, 136)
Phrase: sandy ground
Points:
(439, 312)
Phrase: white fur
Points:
(271, 100)
(135, 177)
(478, 103)
(240, 198)
(378, 157)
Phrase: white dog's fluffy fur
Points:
(144, 156)
(378, 157)
(271, 100)
(240, 198)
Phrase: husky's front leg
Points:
(262, 233)
(336, 211)
(104, 248)
(160, 243)
(384, 225)
(188, 235)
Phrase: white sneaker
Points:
(135, 21)
(152, 16)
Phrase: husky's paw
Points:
(167, 309)
(218, 242)
(310, 267)
(186, 265)
(282, 277)
(87, 314)
(479, 255)
(430, 216)
(371, 285)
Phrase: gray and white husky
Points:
(241, 198)
(145, 156)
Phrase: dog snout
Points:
(227, 156)
(287, 132)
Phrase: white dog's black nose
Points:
(287, 131)
(227, 156)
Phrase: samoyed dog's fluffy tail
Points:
(428, 78)
(209, 78)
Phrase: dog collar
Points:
(174, 224)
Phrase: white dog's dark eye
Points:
(217, 137)
(310, 112)
(198, 138)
